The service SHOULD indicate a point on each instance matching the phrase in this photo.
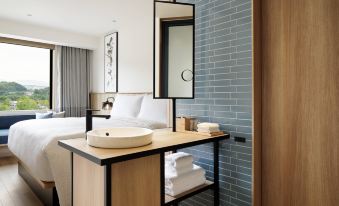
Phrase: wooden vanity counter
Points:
(129, 177)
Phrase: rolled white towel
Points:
(175, 185)
(176, 171)
(179, 159)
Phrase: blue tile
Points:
(239, 202)
(240, 28)
(237, 148)
(225, 89)
(220, 70)
(241, 95)
(242, 68)
(241, 82)
(241, 176)
(224, 95)
(245, 6)
(240, 190)
(239, 2)
(226, 76)
(241, 14)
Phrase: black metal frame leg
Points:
(216, 173)
(162, 178)
(71, 178)
(108, 185)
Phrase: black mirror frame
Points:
(154, 50)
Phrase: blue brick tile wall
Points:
(223, 95)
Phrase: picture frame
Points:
(111, 62)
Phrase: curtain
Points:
(74, 81)
(56, 89)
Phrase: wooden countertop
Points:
(163, 140)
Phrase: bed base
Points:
(46, 192)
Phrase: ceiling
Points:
(91, 17)
(166, 10)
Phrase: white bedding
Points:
(34, 142)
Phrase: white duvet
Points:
(35, 143)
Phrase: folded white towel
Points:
(176, 171)
(208, 125)
(179, 159)
(175, 185)
(208, 130)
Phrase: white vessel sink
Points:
(119, 137)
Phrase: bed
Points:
(34, 142)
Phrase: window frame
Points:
(51, 48)
(50, 79)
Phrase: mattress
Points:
(29, 139)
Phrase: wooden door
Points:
(300, 102)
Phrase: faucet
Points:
(89, 118)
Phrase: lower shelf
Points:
(169, 200)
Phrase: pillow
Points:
(58, 114)
(126, 105)
(43, 115)
(154, 109)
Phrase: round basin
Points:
(119, 137)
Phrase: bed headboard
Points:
(96, 100)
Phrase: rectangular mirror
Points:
(173, 76)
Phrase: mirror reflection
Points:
(174, 50)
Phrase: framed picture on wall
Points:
(111, 62)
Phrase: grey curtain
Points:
(75, 81)
(56, 97)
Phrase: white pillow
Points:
(154, 109)
(126, 105)
(46, 115)
(58, 114)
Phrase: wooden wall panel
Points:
(300, 102)
(136, 182)
(256, 102)
(88, 182)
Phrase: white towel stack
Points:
(181, 174)
(208, 127)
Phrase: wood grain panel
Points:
(136, 182)
(88, 182)
(256, 102)
(300, 135)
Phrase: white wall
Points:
(135, 61)
(31, 32)
(135, 27)
(97, 67)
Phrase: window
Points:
(25, 77)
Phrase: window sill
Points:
(21, 112)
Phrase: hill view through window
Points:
(24, 78)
